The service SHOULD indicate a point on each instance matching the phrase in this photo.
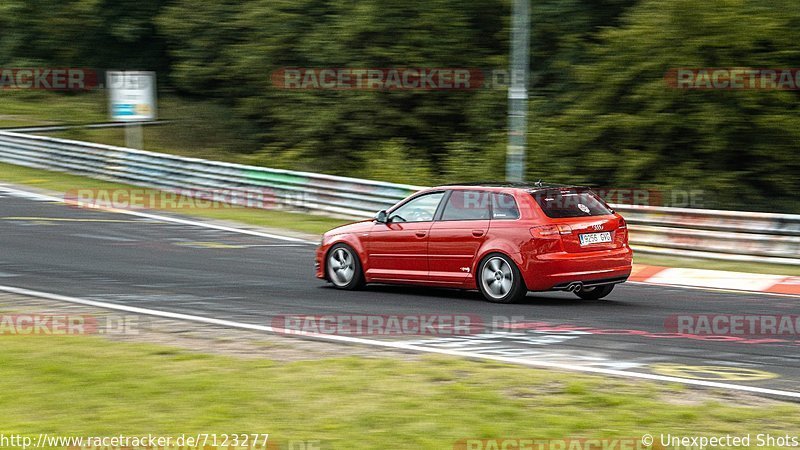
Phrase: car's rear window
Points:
(570, 202)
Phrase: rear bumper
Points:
(555, 271)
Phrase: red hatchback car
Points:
(502, 239)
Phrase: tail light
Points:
(622, 232)
(547, 238)
(550, 231)
(545, 232)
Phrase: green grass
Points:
(176, 138)
(62, 182)
(31, 108)
(198, 128)
(8, 121)
(156, 138)
(89, 386)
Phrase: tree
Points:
(622, 126)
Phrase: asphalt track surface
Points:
(182, 268)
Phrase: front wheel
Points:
(344, 268)
(595, 292)
(499, 279)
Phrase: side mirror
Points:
(381, 216)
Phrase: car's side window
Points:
(504, 207)
(420, 209)
(467, 205)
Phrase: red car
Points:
(502, 239)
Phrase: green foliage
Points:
(394, 161)
(468, 162)
(600, 110)
(620, 124)
(246, 42)
(82, 33)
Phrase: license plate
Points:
(595, 238)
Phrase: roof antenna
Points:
(538, 183)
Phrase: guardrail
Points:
(53, 128)
(725, 235)
(342, 196)
(714, 234)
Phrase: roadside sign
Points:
(132, 96)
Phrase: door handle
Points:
(477, 233)
(421, 233)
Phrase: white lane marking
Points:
(717, 279)
(50, 198)
(231, 246)
(709, 289)
(64, 219)
(398, 345)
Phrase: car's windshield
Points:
(570, 202)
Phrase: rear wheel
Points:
(595, 292)
(499, 280)
(344, 268)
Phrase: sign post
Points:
(518, 91)
(132, 99)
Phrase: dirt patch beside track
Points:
(196, 336)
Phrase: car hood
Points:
(355, 227)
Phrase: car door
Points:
(398, 249)
(457, 234)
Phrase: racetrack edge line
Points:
(159, 217)
(710, 289)
(397, 345)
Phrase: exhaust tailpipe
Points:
(575, 287)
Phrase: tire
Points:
(499, 279)
(595, 292)
(343, 268)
